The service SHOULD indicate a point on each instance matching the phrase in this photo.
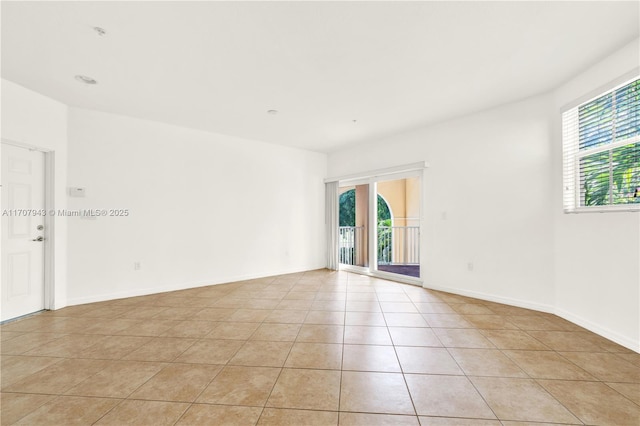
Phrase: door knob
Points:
(41, 238)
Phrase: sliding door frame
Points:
(372, 225)
(363, 270)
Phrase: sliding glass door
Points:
(398, 226)
(379, 226)
(353, 230)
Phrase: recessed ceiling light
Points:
(272, 111)
(86, 80)
(100, 31)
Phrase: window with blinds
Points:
(601, 148)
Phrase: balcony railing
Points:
(351, 240)
(397, 245)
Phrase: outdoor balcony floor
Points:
(409, 270)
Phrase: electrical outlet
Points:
(470, 266)
(136, 266)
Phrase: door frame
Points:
(362, 270)
(48, 266)
(372, 179)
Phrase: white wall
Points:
(490, 176)
(33, 119)
(497, 175)
(205, 208)
(597, 270)
(208, 208)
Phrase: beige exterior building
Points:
(403, 199)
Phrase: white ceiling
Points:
(219, 66)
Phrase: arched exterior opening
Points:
(352, 220)
(347, 206)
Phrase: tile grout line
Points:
(264, 406)
(467, 376)
(317, 289)
(127, 398)
(344, 332)
(404, 378)
(529, 377)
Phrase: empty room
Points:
(320, 213)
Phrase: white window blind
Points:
(601, 149)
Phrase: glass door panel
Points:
(353, 238)
(398, 226)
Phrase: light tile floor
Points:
(312, 348)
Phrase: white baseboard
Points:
(625, 341)
(493, 298)
(633, 344)
(181, 286)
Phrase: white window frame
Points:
(572, 156)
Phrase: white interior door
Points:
(23, 204)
